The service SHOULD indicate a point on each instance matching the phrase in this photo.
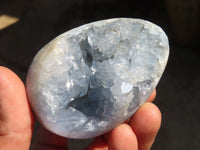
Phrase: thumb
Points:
(16, 119)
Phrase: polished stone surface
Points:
(92, 78)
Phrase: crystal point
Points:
(88, 80)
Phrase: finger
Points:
(16, 119)
(122, 138)
(146, 123)
(98, 143)
(152, 97)
(46, 140)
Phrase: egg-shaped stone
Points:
(90, 79)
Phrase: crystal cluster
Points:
(90, 79)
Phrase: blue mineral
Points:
(90, 79)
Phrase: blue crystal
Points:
(90, 79)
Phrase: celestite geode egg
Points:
(90, 79)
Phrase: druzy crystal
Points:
(90, 79)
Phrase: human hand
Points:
(16, 123)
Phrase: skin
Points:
(17, 119)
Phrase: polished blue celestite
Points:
(90, 79)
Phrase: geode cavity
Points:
(90, 79)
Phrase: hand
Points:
(16, 123)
